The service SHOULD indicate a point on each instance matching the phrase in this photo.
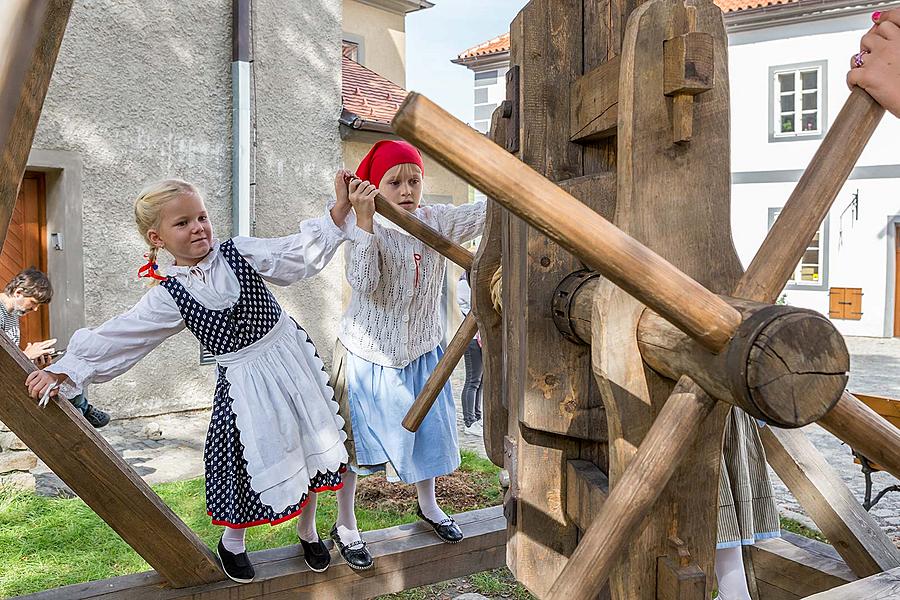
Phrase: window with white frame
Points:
(811, 270)
(797, 101)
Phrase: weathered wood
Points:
(883, 586)
(82, 458)
(811, 199)
(638, 270)
(406, 556)
(689, 64)
(441, 374)
(487, 261)
(587, 488)
(853, 532)
(31, 32)
(782, 564)
(765, 370)
(632, 497)
(594, 103)
(866, 432)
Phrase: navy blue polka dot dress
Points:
(230, 499)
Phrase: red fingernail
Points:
(875, 16)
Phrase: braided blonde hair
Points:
(149, 203)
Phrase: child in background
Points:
(275, 438)
(392, 332)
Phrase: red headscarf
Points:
(384, 156)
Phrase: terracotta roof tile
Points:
(496, 45)
(369, 95)
(500, 43)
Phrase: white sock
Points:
(233, 540)
(347, 528)
(306, 522)
(730, 573)
(428, 502)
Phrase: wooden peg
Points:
(689, 70)
(678, 577)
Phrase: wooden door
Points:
(896, 280)
(26, 246)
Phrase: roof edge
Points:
(804, 11)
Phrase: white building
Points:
(787, 65)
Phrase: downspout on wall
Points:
(240, 124)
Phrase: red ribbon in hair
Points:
(150, 270)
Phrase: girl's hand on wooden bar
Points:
(362, 197)
(342, 206)
(876, 68)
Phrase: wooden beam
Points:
(883, 586)
(577, 228)
(593, 112)
(797, 567)
(406, 556)
(31, 32)
(82, 458)
(587, 488)
(853, 532)
(865, 431)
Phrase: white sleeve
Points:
(288, 259)
(460, 223)
(363, 269)
(464, 296)
(102, 353)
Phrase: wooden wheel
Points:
(686, 332)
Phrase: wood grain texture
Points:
(798, 570)
(587, 488)
(30, 35)
(594, 103)
(406, 556)
(851, 530)
(621, 258)
(82, 458)
(487, 261)
(883, 586)
(866, 431)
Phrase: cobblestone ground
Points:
(874, 369)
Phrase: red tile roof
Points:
(496, 45)
(500, 43)
(369, 95)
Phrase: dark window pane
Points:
(810, 101)
(787, 103)
(810, 122)
(809, 80)
(811, 257)
(787, 123)
(786, 82)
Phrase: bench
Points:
(890, 410)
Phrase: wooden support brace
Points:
(678, 577)
(793, 566)
(883, 586)
(593, 112)
(80, 456)
(406, 556)
(587, 488)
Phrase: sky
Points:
(437, 35)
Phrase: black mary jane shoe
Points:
(236, 566)
(355, 553)
(315, 554)
(447, 529)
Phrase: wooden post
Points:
(31, 32)
(865, 431)
(80, 456)
(640, 271)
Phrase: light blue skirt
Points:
(379, 398)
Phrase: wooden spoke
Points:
(441, 373)
(634, 494)
(625, 261)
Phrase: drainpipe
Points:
(240, 123)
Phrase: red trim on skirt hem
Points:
(324, 488)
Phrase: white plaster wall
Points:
(858, 254)
(142, 91)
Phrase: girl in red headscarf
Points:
(392, 331)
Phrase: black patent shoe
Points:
(316, 555)
(447, 529)
(236, 566)
(355, 553)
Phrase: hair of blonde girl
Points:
(149, 204)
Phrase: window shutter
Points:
(853, 304)
(836, 303)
